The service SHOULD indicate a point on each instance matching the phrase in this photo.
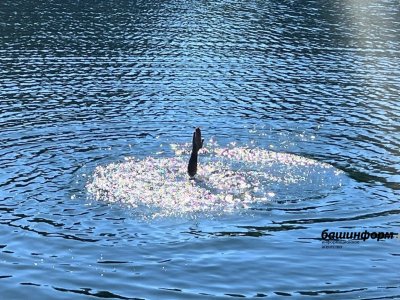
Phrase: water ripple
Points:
(87, 84)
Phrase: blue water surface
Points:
(87, 83)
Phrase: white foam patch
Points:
(228, 179)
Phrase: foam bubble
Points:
(228, 179)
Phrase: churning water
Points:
(94, 93)
(230, 178)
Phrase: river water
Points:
(87, 83)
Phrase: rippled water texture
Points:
(86, 84)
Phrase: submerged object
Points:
(197, 144)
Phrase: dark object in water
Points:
(197, 144)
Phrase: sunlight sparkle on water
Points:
(228, 179)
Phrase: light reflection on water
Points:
(87, 84)
(228, 179)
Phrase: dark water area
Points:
(86, 83)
